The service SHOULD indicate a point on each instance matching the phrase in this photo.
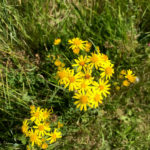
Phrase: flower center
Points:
(87, 76)
(41, 127)
(72, 79)
(108, 71)
(84, 99)
(82, 63)
(77, 42)
(54, 136)
(101, 87)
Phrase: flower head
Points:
(57, 62)
(77, 43)
(76, 51)
(63, 76)
(88, 46)
(34, 138)
(73, 80)
(83, 100)
(32, 109)
(108, 70)
(96, 98)
(41, 128)
(126, 83)
(57, 41)
(102, 86)
(54, 136)
(45, 114)
(123, 72)
(81, 63)
(131, 77)
(95, 60)
(36, 115)
(25, 127)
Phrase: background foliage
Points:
(27, 30)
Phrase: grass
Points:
(28, 29)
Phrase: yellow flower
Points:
(44, 146)
(61, 67)
(126, 83)
(32, 109)
(34, 138)
(130, 76)
(36, 115)
(25, 127)
(81, 63)
(77, 43)
(63, 76)
(96, 98)
(95, 60)
(60, 125)
(83, 100)
(76, 50)
(54, 135)
(57, 41)
(108, 70)
(123, 72)
(41, 128)
(73, 80)
(102, 86)
(57, 62)
(88, 46)
(45, 114)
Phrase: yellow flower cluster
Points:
(38, 129)
(89, 78)
(57, 61)
(128, 77)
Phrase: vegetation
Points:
(120, 28)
